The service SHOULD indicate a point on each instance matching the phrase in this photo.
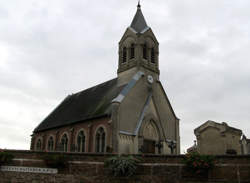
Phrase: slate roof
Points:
(88, 104)
(139, 23)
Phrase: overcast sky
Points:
(49, 49)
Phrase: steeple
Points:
(138, 49)
(139, 24)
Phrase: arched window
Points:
(124, 55)
(64, 143)
(132, 51)
(152, 55)
(81, 142)
(145, 54)
(100, 140)
(50, 144)
(39, 145)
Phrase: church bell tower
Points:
(138, 49)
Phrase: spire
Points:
(139, 23)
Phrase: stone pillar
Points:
(115, 127)
(44, 142)
(57, 143)
(71, 142)
(90, 139)
(32, 143)
(109, 140)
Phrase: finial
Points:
(139, 5)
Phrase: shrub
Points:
(122, 165)
(5, 158)
(55, 161)
(198, 163)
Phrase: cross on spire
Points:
(139, 5)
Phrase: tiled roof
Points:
(88, 104)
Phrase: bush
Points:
(198, 163)
(56, 161)
(5, 158)
(122, 165)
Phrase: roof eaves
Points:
(73, 122)
(132, 29)
(145, 29)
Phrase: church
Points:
(129, 114)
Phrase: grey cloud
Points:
(49, 49)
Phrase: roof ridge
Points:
(91, 87)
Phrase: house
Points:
(218, 138)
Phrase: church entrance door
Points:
(150, 137)
(149, 146)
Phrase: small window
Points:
(50, 144)
(81, 142)
(145, 54)
(152, 55)
(124, 55)
(39, 145)
(64, 143)
(100, 140)
(132, 51)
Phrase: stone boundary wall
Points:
(89, 168)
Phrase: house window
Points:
(100, 140)
(145, 54)
(124, 55)
(81, 142)
(39, 145)
(132, 51)
(152, 55)
(64, 143)
(50, 144)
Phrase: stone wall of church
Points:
(127, 144)
(88, 127)
(89, 168)
(145, 103)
